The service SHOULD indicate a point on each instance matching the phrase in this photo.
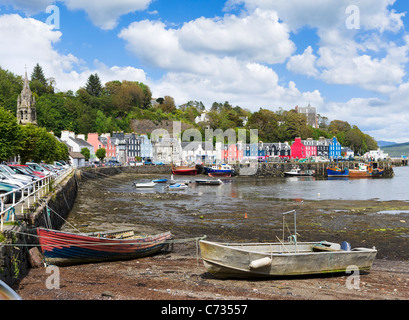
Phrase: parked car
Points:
(6, 188)
(8, 171)
(148, 163)
(25, 169)
(39, 168)
(113, 163)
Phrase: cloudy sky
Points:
(348, 58)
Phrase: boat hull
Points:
(236, 260)
(64, 248)
(331, 172)
(184, 171)
(365, 174)
(219, 174)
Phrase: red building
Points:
(298, 150)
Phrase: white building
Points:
(376, 155)
(76, 143)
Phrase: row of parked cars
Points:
(21, 178)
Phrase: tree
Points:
(94, 86)
(266, 122)
(38, 74)
(9, 135)
(86, 153)
(101, 154)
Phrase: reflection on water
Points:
(307, 188)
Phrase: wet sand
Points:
(180, 274)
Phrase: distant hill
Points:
(382, 143)
(397, 150)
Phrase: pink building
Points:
(103, 141)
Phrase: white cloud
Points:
(303, 63)
(328, 14)
(219, 59)
(103, 13)
(27, 41)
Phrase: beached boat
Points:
(177, 186)
(297, 172)
(365, 171)
(160, 180)
(184, 170)
(209, 182)
(337, 172)
(65, 248)
(145, 185)
(223, 170)
(292, 258)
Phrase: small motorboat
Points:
(184, 170)
(337, 172)
(160, 180)
(145, 185)
(282, 258)
(223, 170)
(176, 186)
(209, 182)
(297, 172)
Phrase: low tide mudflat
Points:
(239, 210)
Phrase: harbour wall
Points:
(17, 250)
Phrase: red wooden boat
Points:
(184, 170)
(65, 248)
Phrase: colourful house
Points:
(335, 149)
(298, 150)
(103, 141)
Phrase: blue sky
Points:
(252, 53)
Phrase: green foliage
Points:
(9, 135)
(36, 144)
(101, 154)
(86, 153)
(94, 86)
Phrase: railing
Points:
(27, 195)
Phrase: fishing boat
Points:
(209, 182)
(145, 185)
(223, 170)
(291, 258)
(365, 171)
(297, 172)
(337, 172)
(177, 186)
(65, 248)
(184, 170)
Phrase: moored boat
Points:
(223, 170)
(297, 172)
(184, 170)
(365, 171)
(7, 293)
(209, 182)
(160, 180)
(145, 185)
(65, 248)
(337, 172)
(177, 186)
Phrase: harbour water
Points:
(249, 208)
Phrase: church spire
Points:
(26, 109)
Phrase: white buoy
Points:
(263, 262)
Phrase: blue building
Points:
(335, 149)
(146, 148)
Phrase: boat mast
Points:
(295, 226)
